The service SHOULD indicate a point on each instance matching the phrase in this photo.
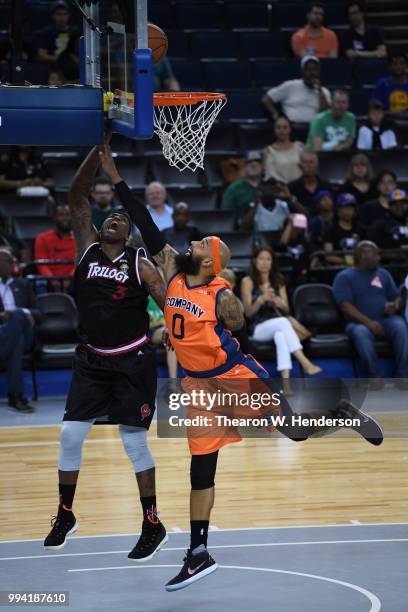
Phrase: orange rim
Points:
(179, 98)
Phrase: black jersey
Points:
(111, 299)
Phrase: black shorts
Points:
(122, 387)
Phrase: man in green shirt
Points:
(241, 193)
(335, 129)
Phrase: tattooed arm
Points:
(81, 212)
(152, 280)
(230, 310)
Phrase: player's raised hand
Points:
(108, 163)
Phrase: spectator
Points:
(163, 77)
(323, 219)
(162, 213)
(404, 305)
(269, 213)
(266, 305)
(314, 39)
(344, 233)
(378, 134)
(294, 241)
(392, 91)
(103, 201)
(360, 179)
(54, 39)
(335, 129)
(68, 60)
(242, 192)
(17, 319)
(378, 209)
(16, 246)
(157, 328)
(300, 99)
(360, 39)
(309, 184)
(23, 169)
(367, 297)
(57, 244)
(181, 234)
(392, 231)
(281, 159)
(55, 78)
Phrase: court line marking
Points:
(276, 528)
(355, 522)
(171, 549)
(372, 598)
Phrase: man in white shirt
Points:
(301, 99)
(161, 213)
(17, 319)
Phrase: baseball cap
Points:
(321, 194)
(59, 4)
(346, 199)
(300, 221)
(397, 194)
(251, 156)
(308, 58)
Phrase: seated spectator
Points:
(281, 159)
(392, 231)
(53, 40)
(103, 201)
(335, 129)
(68, 60)
(367, 297)
(360, 179)
(269, 213)
(378, 209)
(18, 317)
(392, 91)
(55, 78)
(266, 305)
(57, 244)
(16, 246)
(295, 242)
(378, 134)
(314, 39)
(239, 194)
(361, 39)
(300, 99)
(163, 77)
(23, 168)
(181, 234)
(404, 304)
(309, 184)
(344, 233)
(322, 220)
(157, 328)
(156, 197)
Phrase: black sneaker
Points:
(152, 538)
(20, 403)
(195, 567)
(368, 427)
(63, 525)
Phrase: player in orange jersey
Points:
(203, 316)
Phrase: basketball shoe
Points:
(195, 567)
(152, 538)
(63, 525)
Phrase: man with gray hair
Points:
(309, 184)
(300, 99)
(160, 211)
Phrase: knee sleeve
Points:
(73, 434)
(202, 471)
(135, 444)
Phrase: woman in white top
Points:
(281, 159)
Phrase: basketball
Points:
(157, 42)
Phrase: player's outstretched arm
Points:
(230, 310)
(152, 280)
(162, 253)
(81, 212)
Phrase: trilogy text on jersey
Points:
(97, 271)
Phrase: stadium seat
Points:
(261, 44)
(178, 44)
(14, 206)
(396, 160)
(203, 200)
(243, 105)
(222, 139)
(27, 228)
(255, 137)
(368, 71)
(227, 74)
(214, 44)
(246, 15)
(241, 247)
(62, 167)
(171, 176)
(213, 170)
(189, 73)
(193, 15)
(57, 332)
(212, 222)
(293, 14)
(333, 165)
(336, 72)
(359, 98)
(133, 170)
(160, 14)
(270, 73)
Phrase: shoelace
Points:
(146, 537)
(57, 523)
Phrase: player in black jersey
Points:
(114, 370)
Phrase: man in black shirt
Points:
(345, 233)
(310, 183)
(54, 39)
(392, 232)
(181, 234)
(361, 40)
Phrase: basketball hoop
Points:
(182, 121)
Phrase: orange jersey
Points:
(202, 344)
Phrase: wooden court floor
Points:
(260, 483)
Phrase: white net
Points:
(183, 131)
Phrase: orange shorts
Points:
(209, 433)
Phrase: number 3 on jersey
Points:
(177, 326)
(119, 293)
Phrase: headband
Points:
(216, 254)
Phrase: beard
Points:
(187, 263)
